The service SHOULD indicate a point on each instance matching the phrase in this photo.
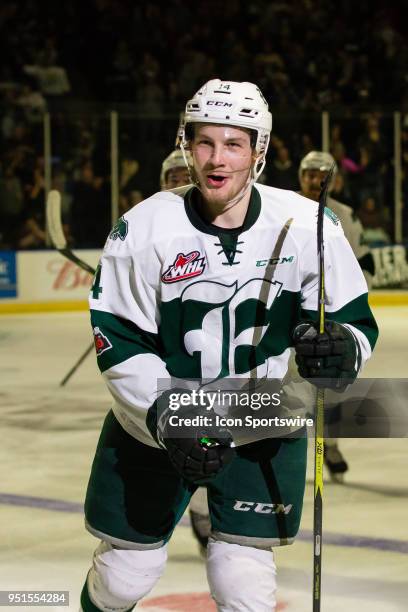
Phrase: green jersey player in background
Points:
(214, 281)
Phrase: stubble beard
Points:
(220, 201)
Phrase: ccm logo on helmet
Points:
(218, 103)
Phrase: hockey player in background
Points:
(174, 172)
(313, 169)
(212, 281)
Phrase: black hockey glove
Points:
(330, 359)
(198, 452)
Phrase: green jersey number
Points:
(96, 288)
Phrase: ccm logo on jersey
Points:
(102, 343)
(184, 266)
(261, 508)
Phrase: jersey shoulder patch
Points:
(119, 230)
(102, 342)
(331, 215)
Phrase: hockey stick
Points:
(319, 411)
(59, 241)
(76, 366)
(57, 234)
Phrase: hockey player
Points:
(313, 169)
(174, 172)
(212, 281)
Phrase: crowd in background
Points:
(79, 60)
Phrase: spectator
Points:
(32, 103)
(11, 198)
(52, 79)
(52, 47)
(128, 199)
(282, 173)
(150, 96)
(372, 160)
(90, 210)
(129, 191)
(340, 190)
(32, 232)
(374, 222)
(123, 68)
(247, 39)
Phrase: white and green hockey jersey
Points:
(175, 296)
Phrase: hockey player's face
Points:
(311, 182)
(177, 177)
(223, 158)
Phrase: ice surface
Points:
(47, 445)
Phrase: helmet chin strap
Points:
(252, 177)
(189, 168)
(250, 181)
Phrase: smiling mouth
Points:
(216, 180)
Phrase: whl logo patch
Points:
(184, 266)
(102, 343)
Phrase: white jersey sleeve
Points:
(124, 316)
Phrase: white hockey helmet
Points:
(231, 103)
(176, 159)
(318, 160)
